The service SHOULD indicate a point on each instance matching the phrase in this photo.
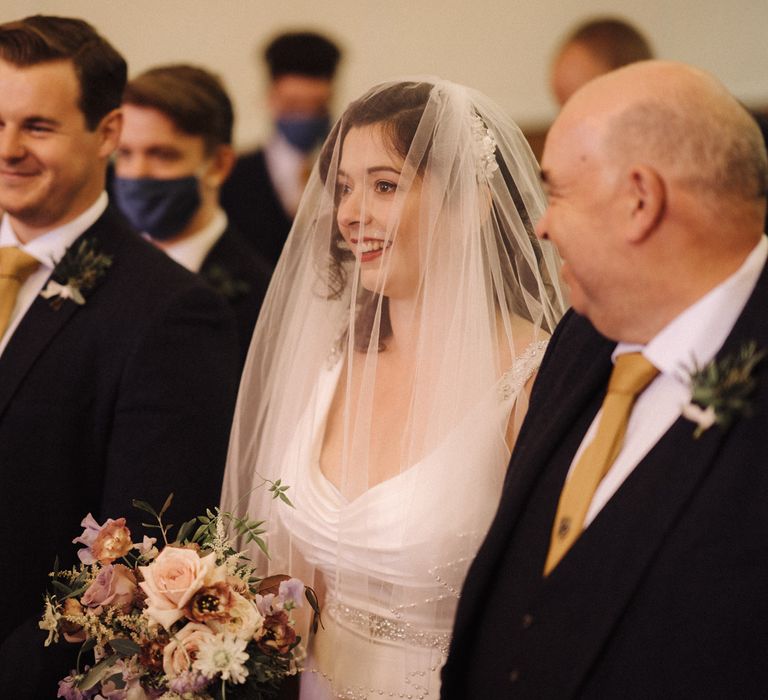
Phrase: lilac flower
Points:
(69, 691)
(291, 591)
(147, 547)
(189, 682)
(90, 533)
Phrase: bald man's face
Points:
(574, 66)
(583, 215)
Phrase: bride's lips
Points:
(369, 248)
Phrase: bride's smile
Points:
(377, 212)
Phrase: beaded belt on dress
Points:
(386, 628)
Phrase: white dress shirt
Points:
(48, 248)
(691, 339)
(190, 252)
(285, 165)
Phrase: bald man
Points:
(656, 179)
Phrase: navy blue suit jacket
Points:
(664, 595)
(241, 276)
(253, 206)
(129, 396)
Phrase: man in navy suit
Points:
(118, 368)
(175, 153)
(263, 193)
(656, 180)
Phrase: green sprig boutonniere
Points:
(76, 273)
(720, 390)
(225, 283)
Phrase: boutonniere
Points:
(76, 273)
(720, 390)
(226, 284)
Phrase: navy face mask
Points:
(304, 133)
(161, 208)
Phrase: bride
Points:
(388, 376)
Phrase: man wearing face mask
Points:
(175, 151)
(263, 192)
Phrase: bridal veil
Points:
(426, 254)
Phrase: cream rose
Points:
(173, 578)
(245, 620)
(181, 651)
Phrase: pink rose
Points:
(103, 543)
(182, 650)
(173, 578)
(115, 586)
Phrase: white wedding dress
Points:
(392, 585)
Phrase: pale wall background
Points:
(502, 47)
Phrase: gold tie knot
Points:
(631, 374)
(16, 264)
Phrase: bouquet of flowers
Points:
(187, 619)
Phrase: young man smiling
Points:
(118, 374)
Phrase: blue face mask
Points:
(161, 208)
(304, 133)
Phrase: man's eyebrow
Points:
(39, 119)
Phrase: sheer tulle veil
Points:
(416, 280)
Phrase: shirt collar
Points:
(190, 252)
(694, 336)
(50, 247)
(278, 148)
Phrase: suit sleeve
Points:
(174, 409)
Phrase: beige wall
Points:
(502, 47)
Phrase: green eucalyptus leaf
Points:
(124, 647)
(143, 505)
(167, 504)
(98, 673)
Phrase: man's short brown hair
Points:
(101, 71)
(191, 97)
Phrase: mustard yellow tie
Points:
(15, 267)
(631, 374)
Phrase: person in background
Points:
(262, 194)
(594, 48)
(118, 368)
(174, 154)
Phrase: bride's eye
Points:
(385, 186)
(342, 189)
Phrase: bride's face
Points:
(379, 222)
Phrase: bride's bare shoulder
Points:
(524, 334)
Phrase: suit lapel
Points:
(587, 593)
(42, 323)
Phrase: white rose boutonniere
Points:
(76, 273)
(720, 391)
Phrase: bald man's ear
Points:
(647, 202)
